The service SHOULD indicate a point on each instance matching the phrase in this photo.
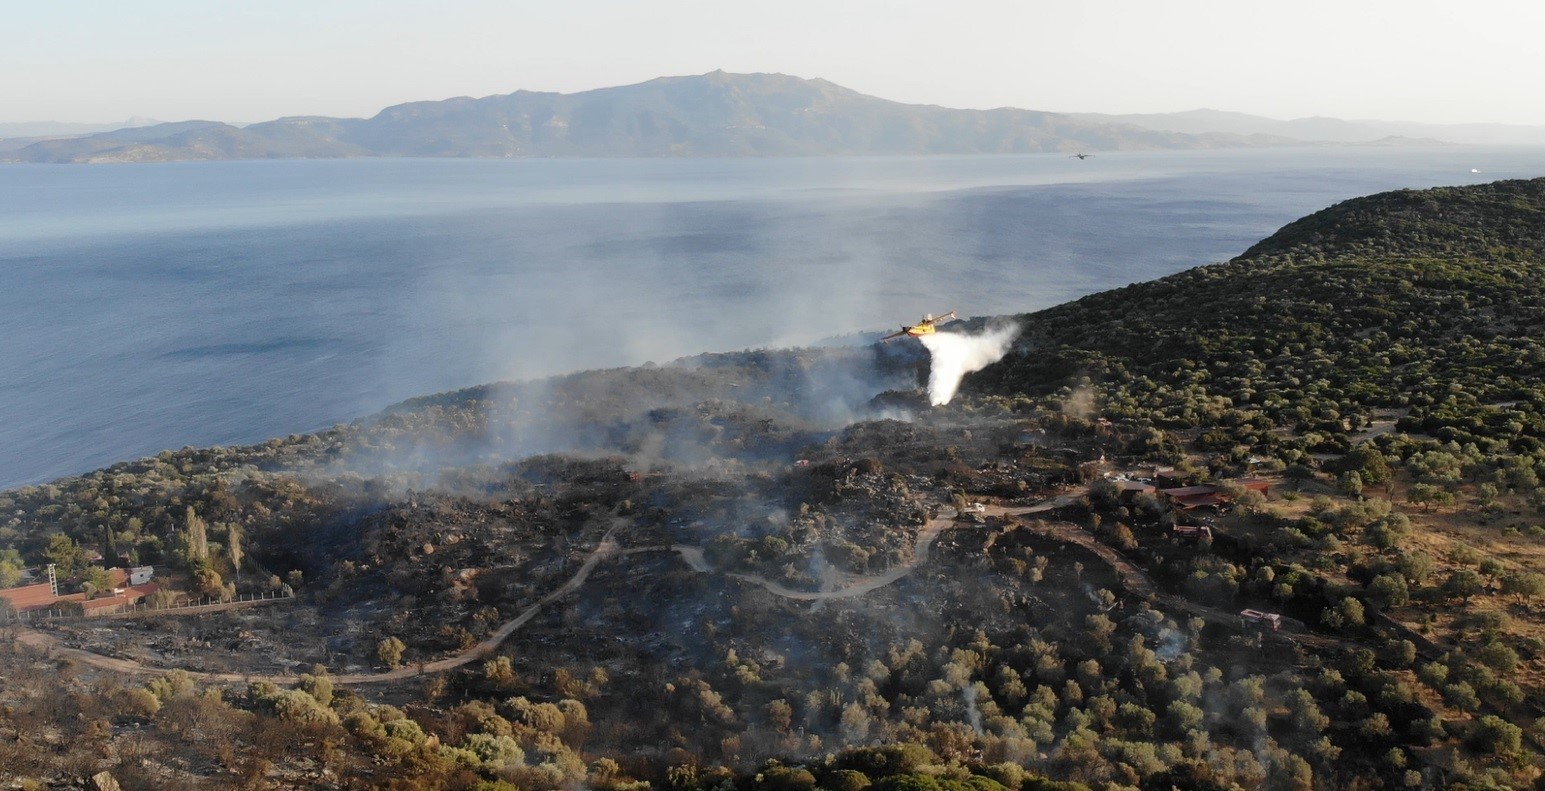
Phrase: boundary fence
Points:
(141, 608)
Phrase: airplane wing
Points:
(894, 335)
(950, 316)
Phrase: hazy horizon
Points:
(1415, 62)
(140, 119)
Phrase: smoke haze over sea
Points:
(155, 306)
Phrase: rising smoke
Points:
(955, 354)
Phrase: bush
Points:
(877, 762)
(846, 780)
(1495, 735)
(390, 651)
(1347, 613)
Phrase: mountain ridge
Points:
(714, 114)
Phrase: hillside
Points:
(767, 568)
(714, 114)
(1424, 300)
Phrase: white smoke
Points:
(956, 354)
(972, 712)
(1171, 644)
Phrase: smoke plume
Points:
(972, 712)
(956, 354)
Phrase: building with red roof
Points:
(42, 596)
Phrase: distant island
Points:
(714, 115)
(709, 115)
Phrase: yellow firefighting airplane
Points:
(924, 327)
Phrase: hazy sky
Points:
(1411, 60)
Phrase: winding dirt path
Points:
(1133, 578)
(607, 548)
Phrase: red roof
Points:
(41, 596)
(1198, 500)
(29, 597)
(1189, 491)
(1207, 494)
(123, 596)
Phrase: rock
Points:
(429, 549)
(103, 781)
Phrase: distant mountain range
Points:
(716, 114)
(18, 135)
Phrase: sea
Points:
(153, 306)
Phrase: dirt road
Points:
(851, 586)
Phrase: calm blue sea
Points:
(145, 307)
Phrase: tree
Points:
(390, 651)
(1104, 494)
(1497, 656)
(96, 580)
(1306, 714)
(1251, 501)
(1428, 495)
(1497, 736)
(499, 672)
(206, 580)
(1524, 584)
(64, 554)
(1135, 721)
(1347, 612)
(1462, 584)
(1389, 590)
(780, 715)
(1400, 653)
(318, 686)
(233, 548)
(1298, 473)
(10, 574)
(1415, 566)
(198, 536)
(1368, 462)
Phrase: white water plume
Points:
(955, 354)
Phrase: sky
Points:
(1399, 60)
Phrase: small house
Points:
(1263, 620)
(1126, 490)
(1187, 497)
